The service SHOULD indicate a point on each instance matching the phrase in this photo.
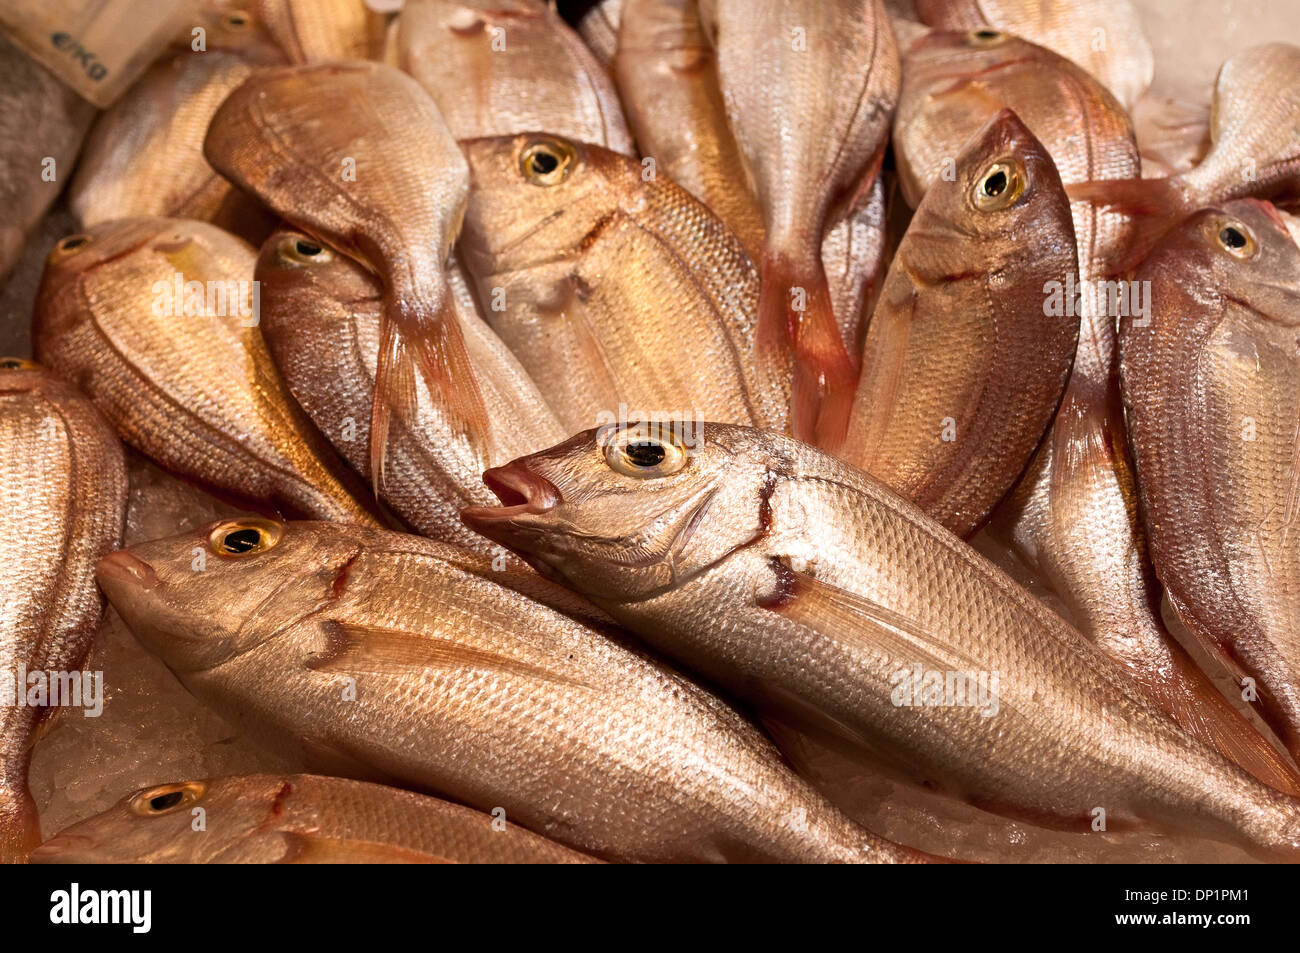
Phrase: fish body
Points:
(1105, 38)
(321, 315)
(1212, 394)
(611, 289)
(668, 78)
(785, 68)
(806, 587)
(383, 653)
(154, 319)
(961, 336)
(357, 154)
(42, 124)
(144, 156)
(599, 28)
(502, 67)
(63, 479)
(295, 819)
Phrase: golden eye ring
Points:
(244, 537)
(548, 161)
(645, 451)
(985, 37)
(1236, 238)
(1001, 186)
(167, 798)
(301, 250)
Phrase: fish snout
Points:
(56, 849)
(520, 490)
(121, 571)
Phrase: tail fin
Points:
(1155, 206)
(20, 830)
(794, 312)
(430, 341)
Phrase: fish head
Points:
(535, 198)
(156, 825)
(201, 598)
(234, 29)
(1004, 195)
(624, 511)
(298, 271)
(1243, 249)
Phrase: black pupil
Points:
(240, 540)
(544, 163)
(10, 364)
(164, 801)
(645, 454)
(1232, 238)
(75, 242)
(995, 184)
(308, 248)
(987, 34)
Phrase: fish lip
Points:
(122, 570)
(59, 845)
(521, 492)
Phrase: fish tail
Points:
(795, 314)
(1202, 711)
(428, 341)
(20, 829)
(1153, 206)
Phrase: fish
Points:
(1254, 151)
(319, 31)
(599, 27)
(786, 68)
(479, 60)
(964, 365)
(321, 315)
(667, 76)
(807, 588)
(368, 651)
(1105, 38)
(144, 156)
(619, 294)
(357, 155)
(295, 819)
(1073, 517)
(1211, 384)
(64, 480)
(42, 125)
(184, 375)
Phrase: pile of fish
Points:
(603, 413)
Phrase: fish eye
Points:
(547, 161)
(1237, 240)
(301, 250)
(71, 243)
(245, 537)
(166, 798)
(236, 20)
(1000, 186)
(16, 364)
(985, 37)
(645, 451)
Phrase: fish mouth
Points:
(521, 492)
(60, 845)
(123, 571)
